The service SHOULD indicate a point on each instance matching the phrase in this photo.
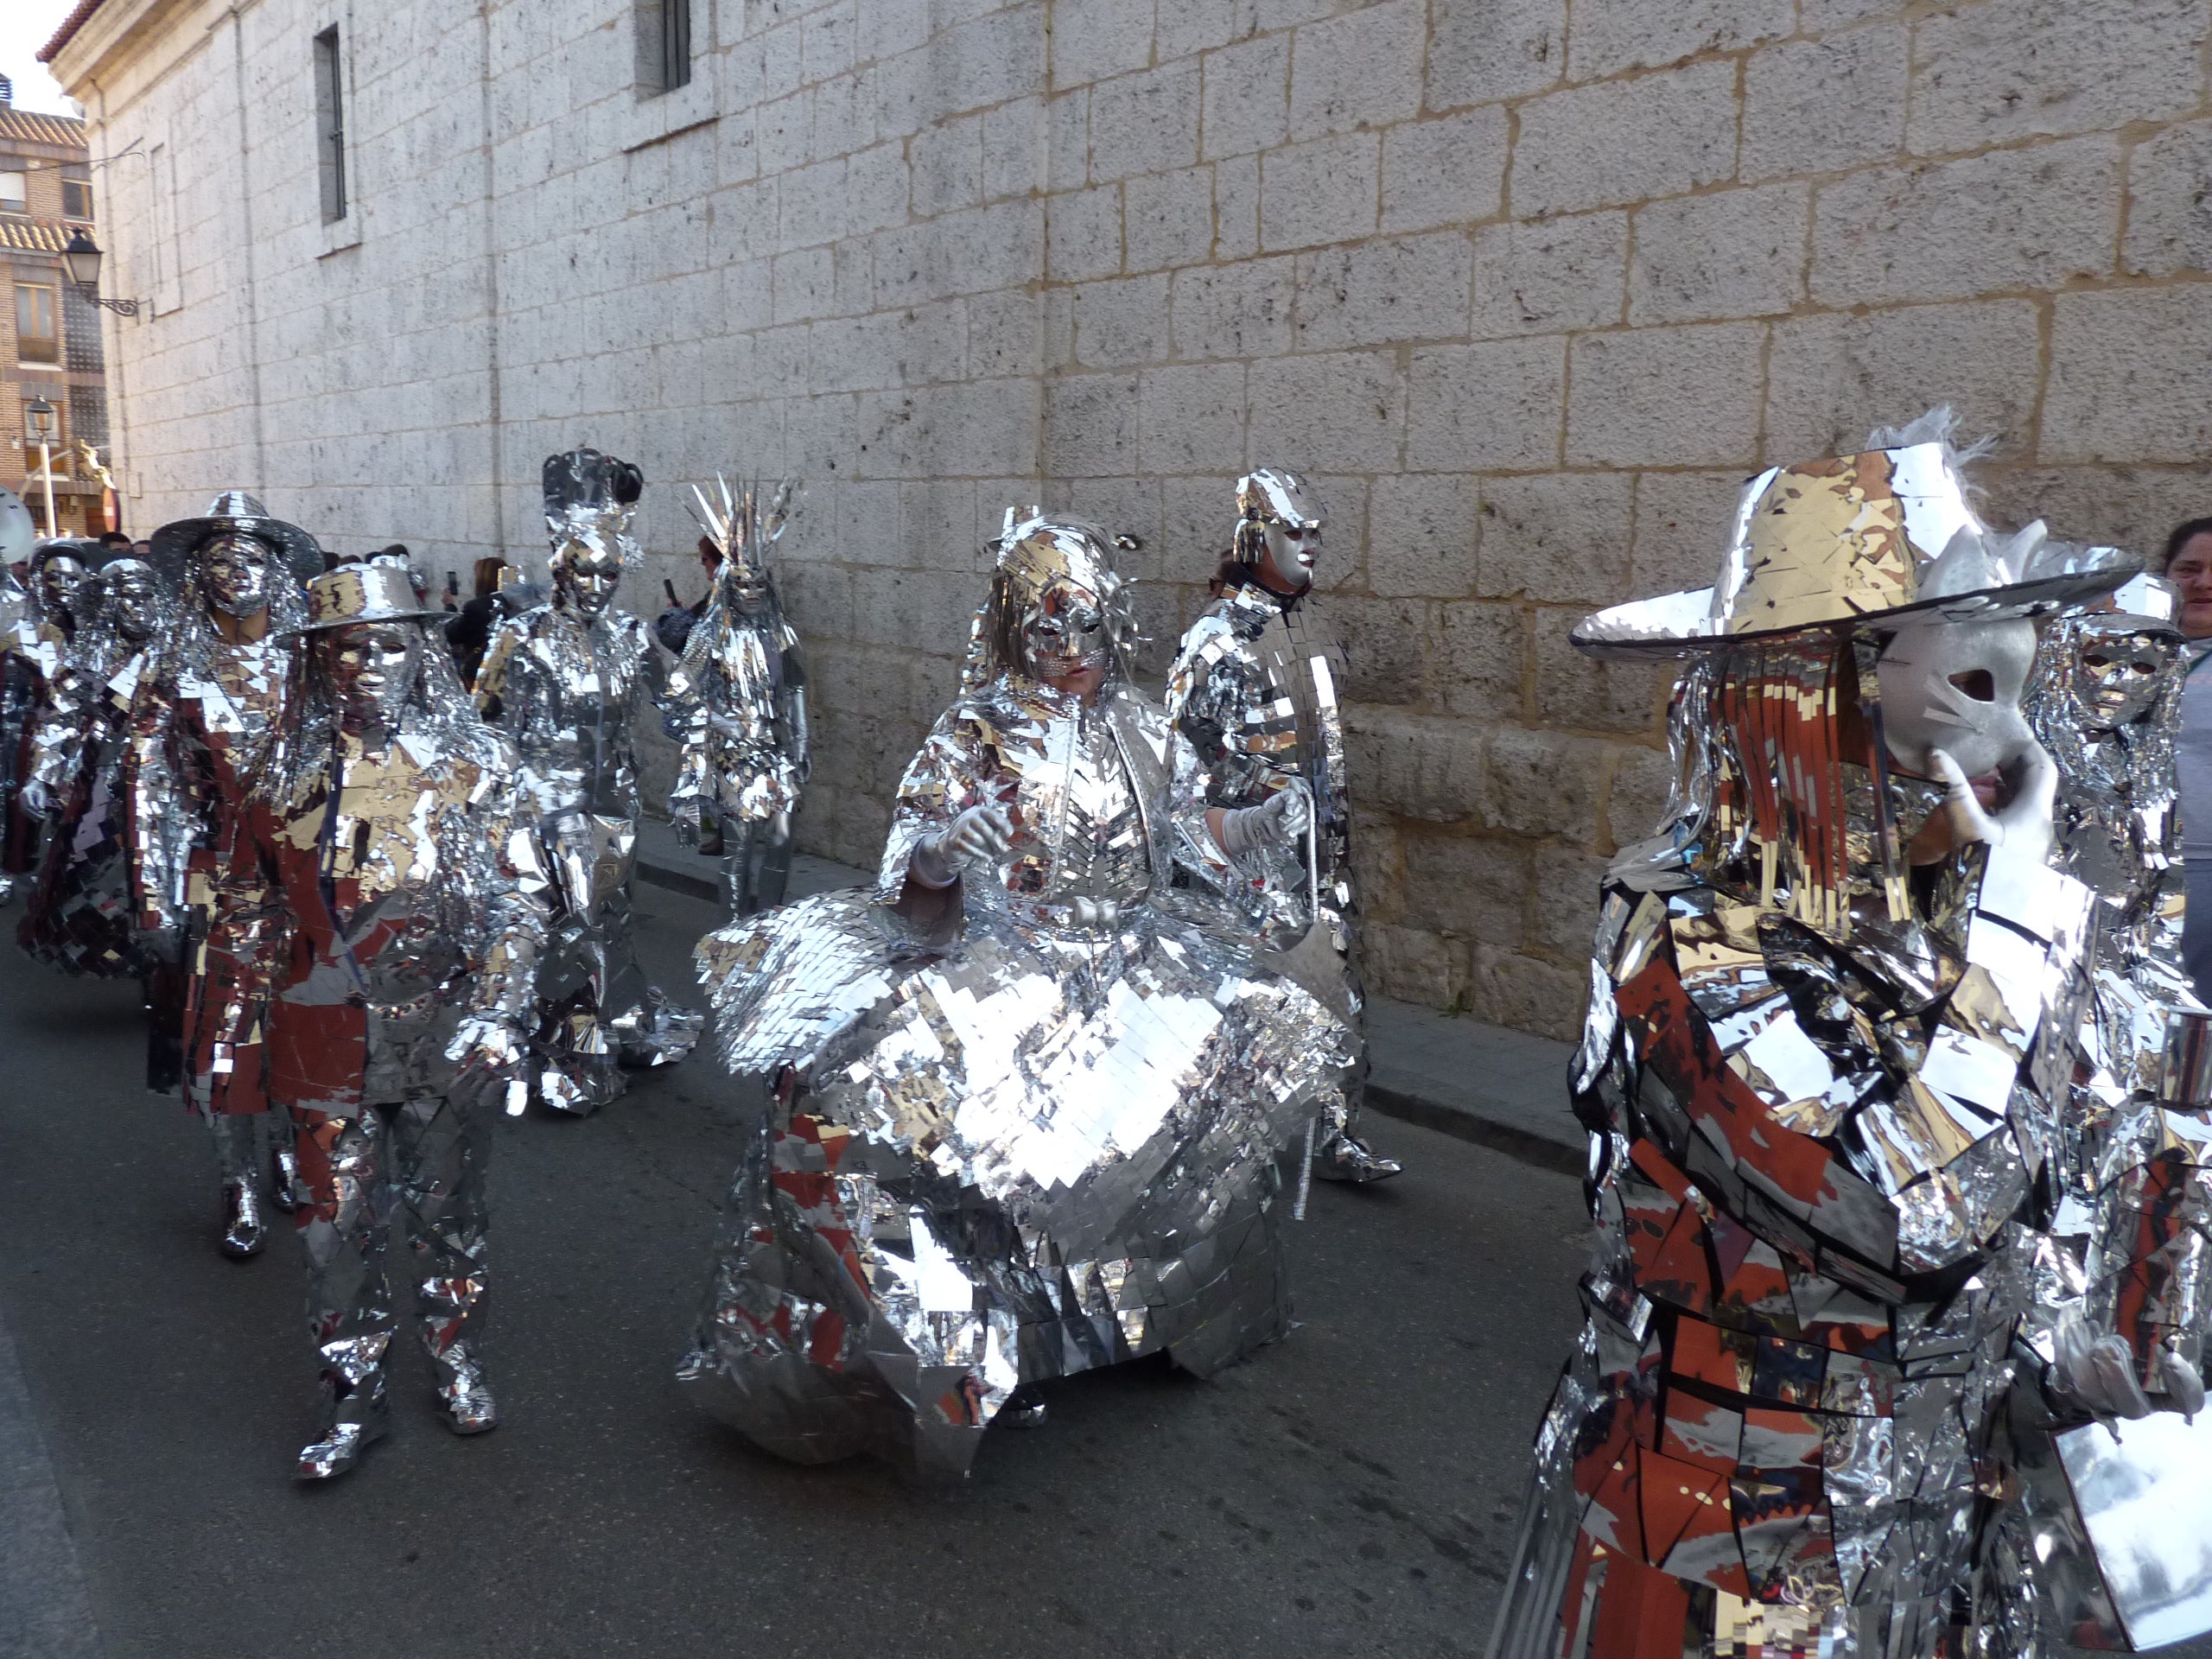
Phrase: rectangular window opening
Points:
(76, 196)
(37, 339)
(664, 44)
(15, 190)
(330, 124)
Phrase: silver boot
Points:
(356, 1421)
(463, 1394)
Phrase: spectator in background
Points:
(470, 631)
(672, 627)
(2188, 566)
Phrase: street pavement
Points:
(1352, 1490)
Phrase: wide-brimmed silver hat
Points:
(236, 510)
(1860, 541)
(370, 590)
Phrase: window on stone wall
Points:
(15, 190)
(330, 124)
(664, 44)
(37, 339)
(76, 191)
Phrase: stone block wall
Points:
(1530, 288)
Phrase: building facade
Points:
(50, 345)
(1529, 291)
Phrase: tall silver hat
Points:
(1860, 541)
(18, 531)
(236, 511)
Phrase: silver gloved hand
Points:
(2023, 823)
(1277, 821)
(979, 832)
(2098, 1371)
(37, 798)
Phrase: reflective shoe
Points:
(1345, 1158)
(244, 1231)
(284, 1182)
(463, 1394)
(343, 1443)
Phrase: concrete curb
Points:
(1500, 1089)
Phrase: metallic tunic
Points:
(1256, 688)
(200, 729)
(749, 765)
(569, 693)
(1037, 1140)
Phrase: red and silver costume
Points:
(391, 830)
(201, 727)
(1842, 1379)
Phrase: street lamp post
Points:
(41, 414)
(82, 259)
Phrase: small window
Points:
(330, 124)
(664, 44)
(36, 338)
(15, 190)
(76, 198)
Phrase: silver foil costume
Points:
(82, 917)
(1025, 1100)
(391, 826)
(737, 704)
(42, 645)
(1835, 1348)
(201, 725)
(1254, 687)
(567, 680)
(18, 537)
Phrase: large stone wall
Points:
(1529, 290)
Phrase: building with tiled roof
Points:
(50, 344)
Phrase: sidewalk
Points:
(1500, 1089)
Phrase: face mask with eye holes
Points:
(2116, 675)
(1956, 686)
(1065, 635)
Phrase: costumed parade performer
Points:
(82, 917)
(1254, 687)
(42, 645)
(1839, 1372)
(736, 703)
(1025, 1102)
(18, 537)
(392, 828)
(567, 680)
(199, 736)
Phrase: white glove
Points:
(1276, 822)
(979, 832)
(2099, 1371)
(37, 798)
(2022, 823)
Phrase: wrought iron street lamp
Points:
(82, 259)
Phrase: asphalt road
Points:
(1352, 1490)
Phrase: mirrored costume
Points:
(41, 647)
(82, 917)
(567, 680)
(1832, 1345)
(392, 830)
(737, 704)
(200, 727)
(1254, 687)
(18, 536)
(1023, 1121)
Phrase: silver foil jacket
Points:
(568, 691)
(81, 916)
(1034, 1136)
(736, 707)
(1840, 1317)
(417, 901)
(202, 720)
